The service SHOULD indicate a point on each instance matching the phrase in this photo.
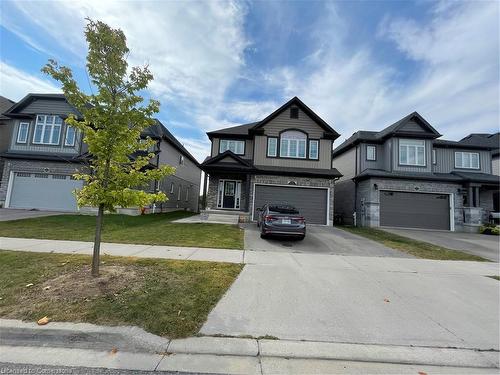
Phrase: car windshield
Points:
(283, 210)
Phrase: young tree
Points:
(113, 119)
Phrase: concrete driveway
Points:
(7, 214)
(482, 245)
(319, 240)
(362, 300)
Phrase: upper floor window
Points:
(294, 112)
(468, 160)
(434, 157)
(313, 149)
(272, 146)
(181, 160)
(235, 146)
(47, 129)
(293, 144)
(22, 132)
(412, 152)
(371, 153)
(70, 136)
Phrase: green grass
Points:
(170, 298)
(155, 229)
(410, 246)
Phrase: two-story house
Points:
(6, 125)
(284, 159)
(403, 176)
(43, 153)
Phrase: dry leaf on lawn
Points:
(43, 321)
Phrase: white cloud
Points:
(456, 84)
(15, 83)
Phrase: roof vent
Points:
(294, 112)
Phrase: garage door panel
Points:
(44, 191)
(414, 210)
(311, 203)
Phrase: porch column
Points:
(247, 192)
(205, 181)
(470, 197)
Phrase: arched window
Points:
(293, 144)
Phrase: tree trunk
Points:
(97, 241)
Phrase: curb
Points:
(149, 348)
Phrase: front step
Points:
(230, 217)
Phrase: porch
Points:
(228, 193)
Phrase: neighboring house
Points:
(403, 176)
(284, 158)
(43, 153)
(493, 141)
(6, 125)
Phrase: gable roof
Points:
(5, 104)
(218, 158)
(482, 139)
(159, 131)
(247, 130)
(30, 98)
(392, 130)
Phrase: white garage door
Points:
(43, 191)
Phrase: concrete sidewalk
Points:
(268, 258)
(87, 345)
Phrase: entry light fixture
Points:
(375, 186)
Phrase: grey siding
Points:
(283, 122)
(324, 162)
(187, 175)
(405, 168)
(346, 164)
(388, 149)
(379, 163)
(445, 158)
(412, 126)
(248, 148)
(49, 107)
(36, 148)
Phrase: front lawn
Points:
(407, 245)
(156, 229)
(170, 298)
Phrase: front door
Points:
(229, 194)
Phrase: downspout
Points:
(355, 189)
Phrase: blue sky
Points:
(359, 65)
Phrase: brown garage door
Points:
(311, 203)
(414, 210)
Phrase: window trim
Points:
(19, 132)
(232, 140)
(374, 153)
(309, 148)
(181, 159)
(172, 188)
(41, 142)
(187, 194)
(305, 148)
(470, 153)
(407, 164)
(276, 139)
(179, 193)
(434, 156)
(66, 137)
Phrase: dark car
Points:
(282, 220)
